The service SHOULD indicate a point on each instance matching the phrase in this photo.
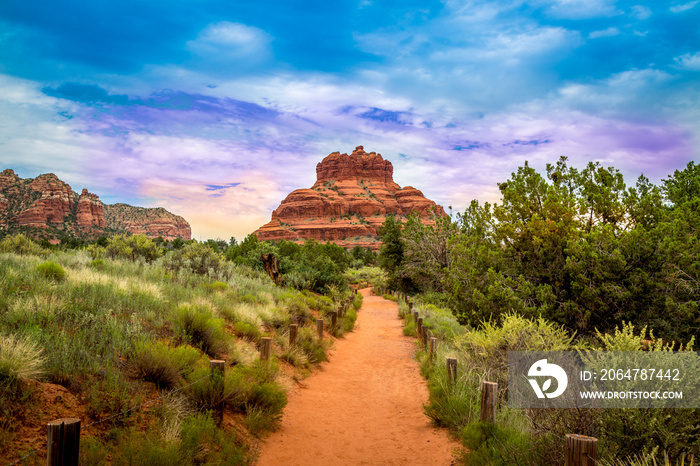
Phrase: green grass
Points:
(113, 331)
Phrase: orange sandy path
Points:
(363, 407)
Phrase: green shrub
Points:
(200, 328)
(52, 271)
(216, 286)
(274, 318)
(298, 312)
(97, 264)
(295, 356)
(111, 394)
(247, 330)
(20, 359)
(132, 248)
(307, 340)
(441, 322)
(390, 297)
(203, 443)
(92, 451)
(409, 328)
(144, 449)
(347, 323)
(311, 302)
(268, 396)
(451, 405)
(324, 304)
(264, 406)
(161, 364)
(211, 390)
(197, 258)
(20, 244)
(493, 445)
(357, 301)
(249, 298)
(485, 350)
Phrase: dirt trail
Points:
(365, 406)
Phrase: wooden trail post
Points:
(433, 347)
(489, 401)
(63, 442)
(319, 328)
(581, 450)
(217, 366)
(424, 333)
(419, 328)
(451, 370)
(410, 306)
(265, 344)
(293, 328)
(334, 321)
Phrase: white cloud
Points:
(688, 61)
(224, 42)
(609, 32)
(679, 8)
(35, 138)
(579, 9)
(641, 12)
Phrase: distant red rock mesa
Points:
(351, 198)
(48, 208)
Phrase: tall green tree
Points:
(426, 253)
(392, 250)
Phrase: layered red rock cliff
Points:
(152, 222)
(47, 207)
(351, 198)
(90, 211)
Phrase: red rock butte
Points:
(351, 198)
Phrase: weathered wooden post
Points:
(63, 442)
(424, 334)
(415, 317)
(581, 450)
(489, 401)
(265, 344)
(217, 367)
(293, 329)
(419, 328)
(319, 328)
(433, 347)
(451, 370)
(334, 322)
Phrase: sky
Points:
(217, 109)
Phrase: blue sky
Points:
(217, 109)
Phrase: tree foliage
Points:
(133, 247)
(578, 247)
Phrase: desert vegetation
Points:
(128, 320)
(572, 259)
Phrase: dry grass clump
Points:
(650, 460)
(20, 359)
